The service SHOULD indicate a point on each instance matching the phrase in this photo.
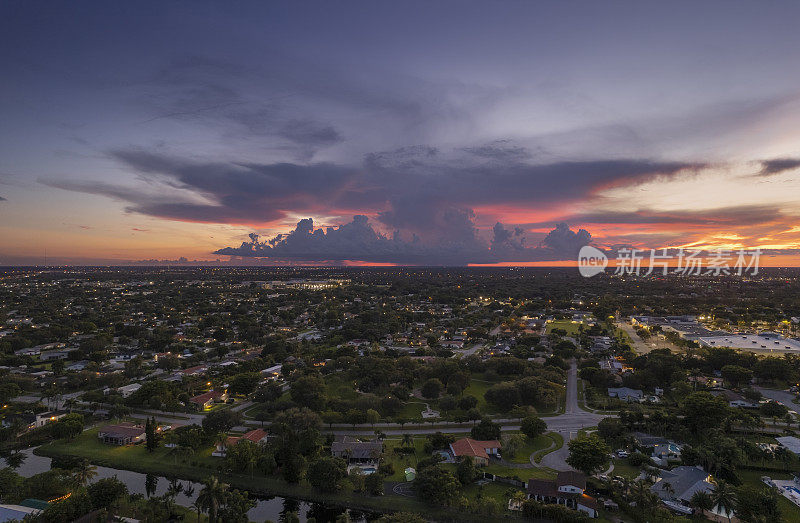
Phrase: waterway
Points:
(266, 509)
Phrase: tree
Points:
(736, 375)
(702, 500)
(512, 444)
(16, 459)
(84, 472)
(294, 465)
(588, 453)
(466, 472)
(407, 441)
(504, 396)
(235, 507)
(151, 434)
(106, 491)
(703, 412)
(300, 427)
(244, 383)
(434, 484)
(221, 421)
(211, 497)
(756, 504)
(326, 474)
(533, 427)
(724, 498)
(243, 456)
(373, 483)
(773, 409)
(309, 391)
(373, 416)
(486, 430)
(68, 426)
(432, 388)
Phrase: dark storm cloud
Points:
(2, 199)
(358, 240)
(778, 165)
(414, 189)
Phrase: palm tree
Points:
(84, 472)
(702, 500)
(408, 441)
(724, 498)
(210, 498)
(668, 488)
(198, 507)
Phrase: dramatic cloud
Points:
(359, 241)
(415, 189)
(2, 199)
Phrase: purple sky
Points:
(395, 132)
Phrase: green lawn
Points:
(572, 328)
(338, 387)
(624, 469)
(478, 387)
(531, 445)
(411, 410)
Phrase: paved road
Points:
(569, 423)
(785, 397)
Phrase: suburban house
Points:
(663, 453)
(206, 400)
(43, 418)
(679, 484)
(479, 451)
(256, 436)
(127, 390)
(567, 489)
(626, 394)
(123, 434)
(735, 400)
(354, 451)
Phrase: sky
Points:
(421, 133)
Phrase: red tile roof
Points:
(254, 435)
(473, 448)
(202, 399)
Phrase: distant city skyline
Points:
(445, 133)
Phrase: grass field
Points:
(572, 328)
(524, 454)
(478, 387)
(622, 468)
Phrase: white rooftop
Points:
(754, 342)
